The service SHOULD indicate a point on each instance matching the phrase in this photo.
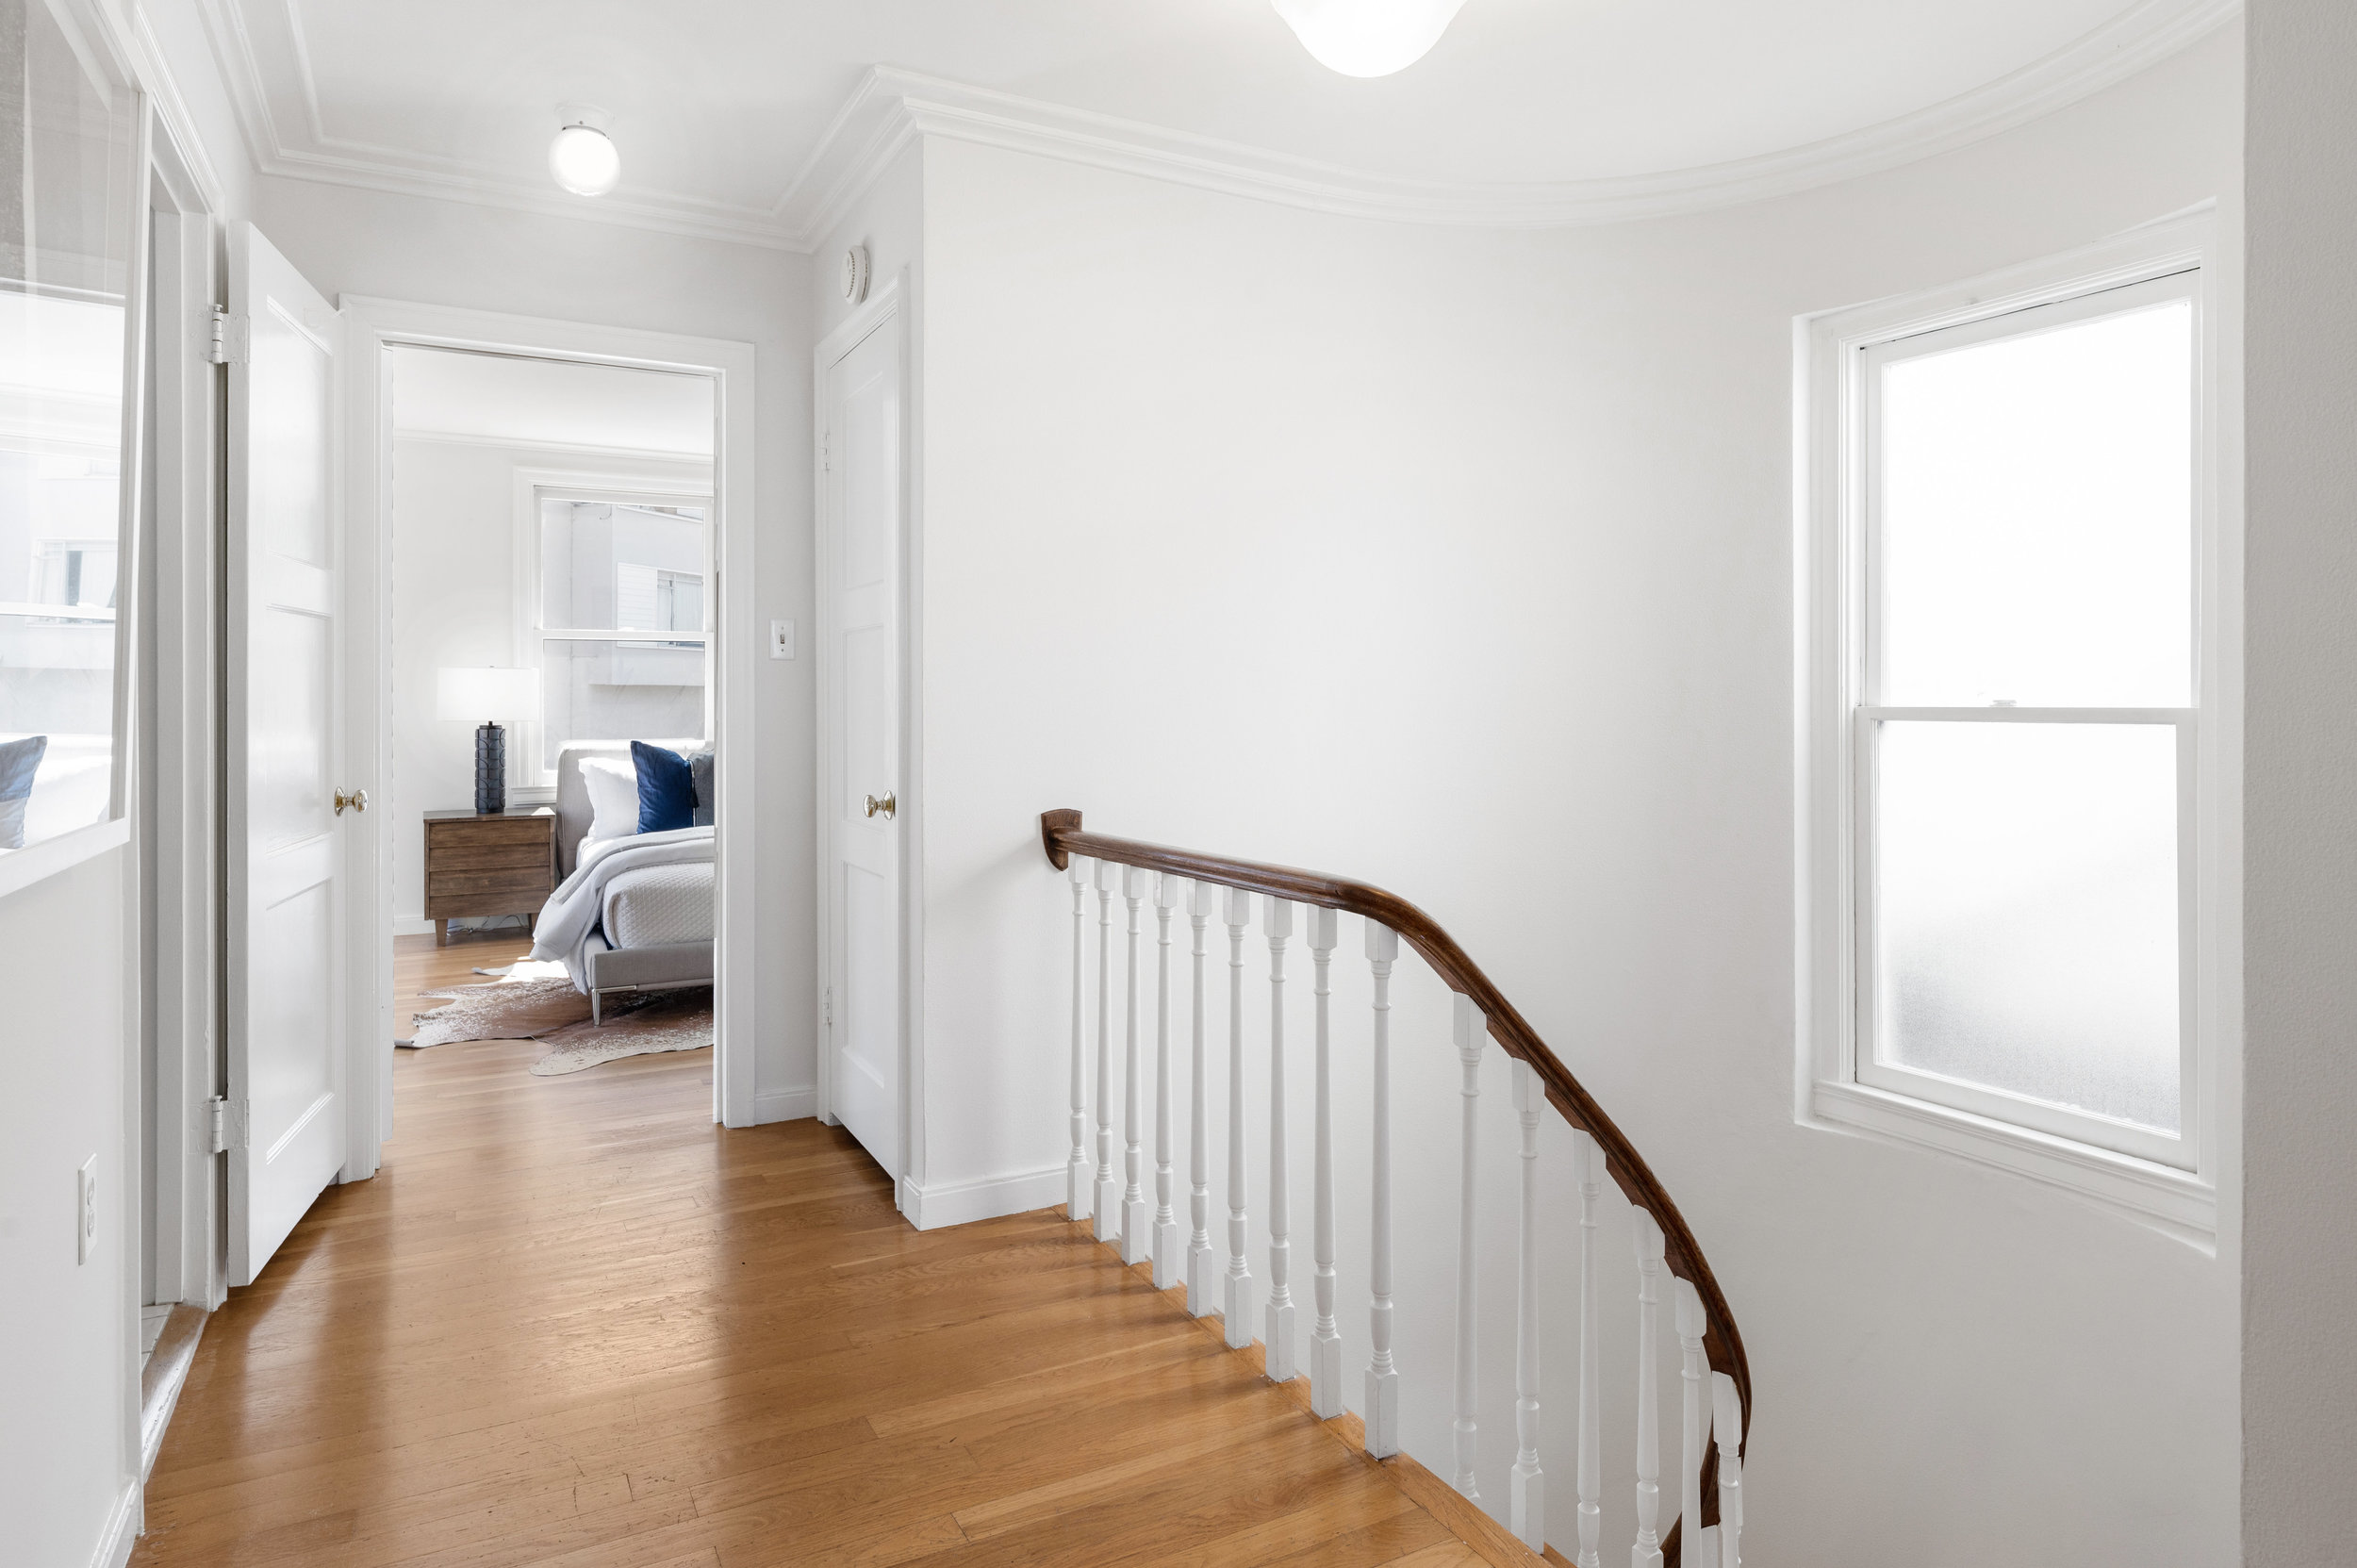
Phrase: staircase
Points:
(1714, 1393)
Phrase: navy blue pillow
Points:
(700, 771)
(666, 790)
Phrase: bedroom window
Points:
(2012, 533)
(622, 629)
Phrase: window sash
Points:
(1869, 1066)
(1864, 365)
(526, 769)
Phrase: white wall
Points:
(348, 241)
(68, 1430)
(1463, 563)
(63, 1399)
(454, 604)
(2300, 1365)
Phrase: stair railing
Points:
(1716, 1380)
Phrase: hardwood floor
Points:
(572, 1323)
(420, 967)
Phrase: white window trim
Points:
(2180, 1194)
(527, 782)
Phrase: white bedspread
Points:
(657, 905)
(577, 908)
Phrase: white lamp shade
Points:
(488, 696)
(1368, 37)
(583, 161)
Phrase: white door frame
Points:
(883, 306)
(372, 326)
(190, 1261)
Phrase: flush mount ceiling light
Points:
(1368, 37)
(582, 158)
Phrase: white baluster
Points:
(1382, 1411)
(1199, 1265)
(1236, 1303)
(1108, 1189)
(1588, 1175)
(1277, 1337)
(1695, 1428)
(1168, 892)
(1647, 1552)
(1468, 1029)
(1325, 1340)
(1076, 1198)
(1134, 1213)
(1529, 1504)
(1727, 1409)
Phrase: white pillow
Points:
(613, 788)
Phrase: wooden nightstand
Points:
(497, 865)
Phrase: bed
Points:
(630, 913)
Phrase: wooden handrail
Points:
(1063, 836)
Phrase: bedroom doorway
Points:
(547, 508)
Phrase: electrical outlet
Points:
(86, 1210)
(781, 640)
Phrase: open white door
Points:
(283, 855)
(859, 512)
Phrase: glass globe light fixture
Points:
(1368, 37)
(583, 158)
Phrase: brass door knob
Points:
(357, 800)
(887, 806)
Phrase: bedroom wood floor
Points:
(420, 967)
(571, 1322)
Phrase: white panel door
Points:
(859, 494)
(284, 856)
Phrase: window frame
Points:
(527, 778)
(96, 45)
(2171, 1181)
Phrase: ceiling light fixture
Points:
(1368, 37)
(582, 158)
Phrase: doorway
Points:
(545, 510)
(550, 526)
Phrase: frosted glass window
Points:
(2027, 893)
(2035, 523)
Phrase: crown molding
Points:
(892, 107)
(330, 161)
(698, 460)
(172, 112)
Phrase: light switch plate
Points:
(86, 1210)
(781, 640)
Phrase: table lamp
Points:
(487, 696)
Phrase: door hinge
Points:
(232, 340)
(227, 1131)
(828, 1000)
(826, 452)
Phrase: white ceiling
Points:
(720, 106)
(550, 403)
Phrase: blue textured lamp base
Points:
(490, 770)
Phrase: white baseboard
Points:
(786, 1105)
(412, 925)
(963, 1202)
(123, 1529)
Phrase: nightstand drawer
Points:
(486, 857)
(489, 829)
(495, 883)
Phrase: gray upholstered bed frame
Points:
(659, 969)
